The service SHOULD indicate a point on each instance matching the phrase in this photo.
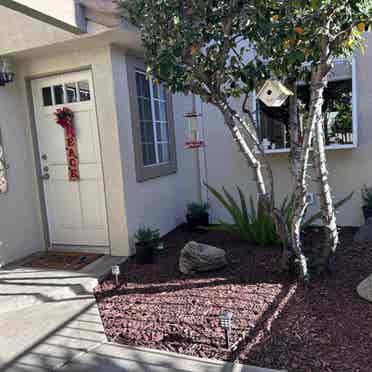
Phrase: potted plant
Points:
(197, 215)
(147, 240)
(367, 202)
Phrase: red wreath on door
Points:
(64, 118)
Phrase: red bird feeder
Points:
(193, 140)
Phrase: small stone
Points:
(196, 257)
(364, 289)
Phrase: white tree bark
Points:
(331, 240)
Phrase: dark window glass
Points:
(47, 96)
(337, 109)
(84, 90)
(58, 94)
(71, 92)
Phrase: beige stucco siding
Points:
(158, 202)
(20, 32)
(20, 220)
(349, 168)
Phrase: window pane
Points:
(163, 150)
(58, 94)
(159, 91)
(145, 109)
(84, 90)
(162, 132)
(71, 92)
(149, 156)
(338, 115)
(147, 132)
(47, 96)
(143, 89)
(337, 110)
(160, 111)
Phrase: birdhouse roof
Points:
(276, 84)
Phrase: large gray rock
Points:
(364, 289)
(364, 233)
(196, 257)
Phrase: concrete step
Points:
(25, 287)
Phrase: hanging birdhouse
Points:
(274, 93)
(193, 138)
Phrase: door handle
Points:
(45, 176)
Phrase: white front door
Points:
(76, 210)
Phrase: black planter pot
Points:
(194, 222)
(367, 211)
(146, 252)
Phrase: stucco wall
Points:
(20, 220)
(159, 202)
(349, 168)
(19, 32)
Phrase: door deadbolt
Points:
(44, 156)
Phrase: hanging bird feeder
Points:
(274, 93)
(7, 74)
(193, 139)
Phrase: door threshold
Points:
(79, 248)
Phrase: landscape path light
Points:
(115, 270)
(226, 324)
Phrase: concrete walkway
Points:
(117, 358)
(49, 321)
(48, 317)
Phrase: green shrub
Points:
(253, 224)
(250, 223)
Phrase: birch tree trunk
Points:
(319, 81)
(331, 239)
(294, 129)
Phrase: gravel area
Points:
(276, 324)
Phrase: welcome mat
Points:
(61, 260)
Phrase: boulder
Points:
(364, 289)
(196, 257)
(364, 233)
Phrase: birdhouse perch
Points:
(274, 93)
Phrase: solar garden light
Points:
(115, 270)
(226, 323)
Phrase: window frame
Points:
(150, 171)
(354, 109)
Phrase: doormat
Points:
(61, 260)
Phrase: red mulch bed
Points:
(276, 323)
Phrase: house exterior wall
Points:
(20, 219)
(349, 168)
(159, 202)
(19, 32)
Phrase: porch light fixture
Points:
(7, 74)
(115, 270)
(226, 324)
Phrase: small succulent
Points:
(196, 210)
(367, 196)
(147, 234)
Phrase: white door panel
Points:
(76, 210)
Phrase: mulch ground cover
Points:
(276, 323)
